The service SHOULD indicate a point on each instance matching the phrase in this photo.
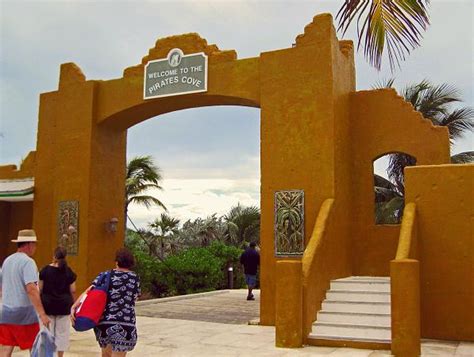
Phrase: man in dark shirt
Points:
(250, 260)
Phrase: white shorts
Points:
(59, 327)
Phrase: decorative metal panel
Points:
(68, 226)
(289, 223)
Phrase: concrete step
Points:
(351, 295)
(377, 285)
(337, 341)
(351, 331)
(382, 320)
(366, 278)
(356, 307)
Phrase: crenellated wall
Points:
(382, 122)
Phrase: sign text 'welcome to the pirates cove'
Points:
(175, 75)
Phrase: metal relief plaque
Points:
(289, 223)
(175, 75)
(68, 226)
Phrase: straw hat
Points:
(25, 235)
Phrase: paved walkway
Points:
(190, 336)
(224, 306)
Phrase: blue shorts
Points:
(250, 280)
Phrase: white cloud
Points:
(190, 199)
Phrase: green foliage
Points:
(142, 175)
(192, 270)
(189, 271)
(395, 26)
(229, 256)
(196, 257)
(146, 266)
(202, 232)
(243, 225)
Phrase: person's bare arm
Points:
(40, 286)
(34, 296)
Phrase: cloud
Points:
(190, 199)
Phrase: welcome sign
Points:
(177, 74)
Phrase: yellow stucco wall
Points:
(382, 122)
(445, 209)
(304, 97)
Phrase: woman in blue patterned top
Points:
(116, 331)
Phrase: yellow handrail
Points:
(317, 237)
(405, 289)
(315, 277)
(407, 240)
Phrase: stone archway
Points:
(302, 92)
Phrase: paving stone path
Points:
(226, 306)
(215, 324)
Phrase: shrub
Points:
(190, 271)
(193, 270)
(229, 256)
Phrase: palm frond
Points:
(147, 201)
(434, 102)
(463, 158)
(389, 212)
(397, 162)
(458, 122)
(142, 175)
(384, 83)
(384, 189)
(392, 25)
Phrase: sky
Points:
(209, 157)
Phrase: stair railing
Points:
(301, 284)
(316, 278)
(405, 289)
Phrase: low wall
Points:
(445, 207)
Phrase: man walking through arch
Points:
(250, 259)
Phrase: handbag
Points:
(44, 345)
(92, 305)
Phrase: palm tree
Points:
(202, 232)
(394, 25)
(389, 201)
(243, 225)
(434, 102)
(164, 228)
(142, 175)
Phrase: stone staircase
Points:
(356, 312)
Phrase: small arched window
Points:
(389, 186)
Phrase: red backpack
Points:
(92, 305)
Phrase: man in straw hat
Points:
(21, 299)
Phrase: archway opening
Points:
(209, 160)
(389, 186)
